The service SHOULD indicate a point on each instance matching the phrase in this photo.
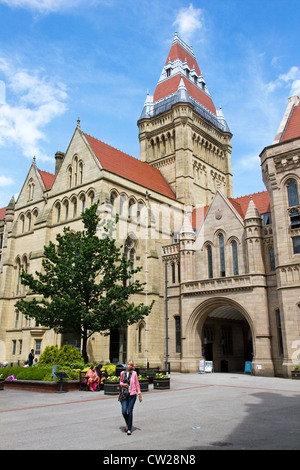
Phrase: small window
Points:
(209, 262)
(222, 255)
(235, 258)
(178, 334)
(292, 193)
(296, 245)
(168, 72)
(272, 259)
(38, 346)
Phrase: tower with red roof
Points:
(183, 134)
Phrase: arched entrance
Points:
(220, 330)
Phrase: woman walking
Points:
(130, 388)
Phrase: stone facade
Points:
(223, 271)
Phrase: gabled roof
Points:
(2, 213)
(171, 85)
(292, 129)
(128, 167)
(47, 178)
(241, 204)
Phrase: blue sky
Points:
(96, 59)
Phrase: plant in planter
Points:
(161, 381)
(144, 383)
(112, 385)
(296, 373)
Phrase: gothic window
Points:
(209, 261)
(293, 201)
(70, 177)
(18, 276)
(75, 171)
(168, 72)
(141, 334)
(130, 208)
(80, 173)
(58, 212)
(177, 334)
(66, 207)
(91, 196)
(222, 255)
(279, 330)
(74, 203)
(296, 245)
(140, 206)
(22, 220)
(28, 217)
(272, 259)
(30, 190)
(82, 199)
(113, 200)
(292, 193)
(235, 258)
(129, 254)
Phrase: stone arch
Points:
(222, 307)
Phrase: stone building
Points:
(223, 271)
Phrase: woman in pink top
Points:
(130, 388)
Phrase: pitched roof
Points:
(2, 213)
(178, 51)
(261, 201)
(171, 85)
(292, 129)
(128, 167)
(47, 178)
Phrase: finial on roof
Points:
(78, 123)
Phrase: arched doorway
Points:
(220, 330)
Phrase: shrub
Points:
(67, 354)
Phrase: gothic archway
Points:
(220, 330)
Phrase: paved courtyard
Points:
(200, 412)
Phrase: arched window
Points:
(82, 199)
(66, 206)
(91, 196)
(28, 222)
(113, 199)
(177, 334)
(293, 200)
(22, 220)
(80, 173)
(235, 258)
(209, 261)
(222, 255)
(70, 177)
(130, 207)
(58, 212)
(141, 335)
(75, 171)
(272, 259)
(129, 254)
(74, 202)
(18, 276)
(292, 191)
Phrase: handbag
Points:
(124, 392)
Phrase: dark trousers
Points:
(127, 410)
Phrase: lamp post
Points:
(146, 274)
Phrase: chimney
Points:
(59, 157)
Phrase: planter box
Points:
(41, 386)
(296, 374)
(2, 381)
(161, 384)
(111, 388)
(144, 385)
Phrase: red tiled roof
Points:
(169, 86)
(292, 129)
(2, 213)
(261, 201)
(128, 167)
(178, 52)
(47, 178)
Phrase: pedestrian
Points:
(92, 379)
(30, 357)
(130, 388)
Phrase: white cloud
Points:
(35, 100)
(6, 181)
(189, 20)
(42, 6)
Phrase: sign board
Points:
(209, 366)
(202, 366)
(248, 367)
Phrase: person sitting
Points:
(102, 374)
(92, 379)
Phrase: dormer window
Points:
(187, 73)
(168, 71)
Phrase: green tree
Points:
(85, 285)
